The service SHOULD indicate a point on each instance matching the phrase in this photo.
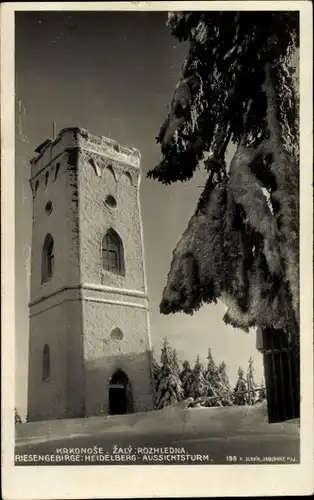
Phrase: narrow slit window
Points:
(46, 362)
(57, 171)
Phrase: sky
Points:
(112, 73)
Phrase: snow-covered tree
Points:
(241, 246)
(222, 368)
(186, 377)
(212, 380)
(17, 418)
(261, 392)
(210, 364)
(211, 375)
(241, 386)
(215, 384)
(155, 374)
(199, 386)
(251, 385)
(175, 363)
(168, 387)
(225, 385)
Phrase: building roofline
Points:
(100, 140)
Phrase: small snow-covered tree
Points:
(241, 386)
(199, 386)
(210, 374)
(210, 365)
(168, 388)
(186, 377)
(212, 378)
(222, 368)
(155, 374)
(17, 418)
(176, 363)
(225, 385)
(251, 385)
(261, 392)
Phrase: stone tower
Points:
(89, 344)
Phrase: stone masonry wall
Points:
(99, 177)
(52, 318)
(96, 218)
(103, 355)
(47, 398)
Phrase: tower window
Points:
(116, 334)
(46, 178)
(46, 362)
(57, 171)
(36, 186)
(110, 201)
(112, 253)
(47, 258)
(48, 207)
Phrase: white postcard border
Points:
(154, 481)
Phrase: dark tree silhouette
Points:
(241, 246)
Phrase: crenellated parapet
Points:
(99, 151)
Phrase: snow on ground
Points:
(212, 422)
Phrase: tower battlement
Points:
(78, 138)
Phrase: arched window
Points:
(46, 362)
(46, 178)
(47, 258)
(112, 253)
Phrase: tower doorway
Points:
(120, 394)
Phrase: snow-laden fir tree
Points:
(241, 246)
(216, 388)
(211, 375)
(17, 418)
(186, 377)
(175, 363)
(155, 374)
(222, 368)
(199, 387)
(241, 386)
(168, 387)
(210, 364)
(212, 381)
(261, 392)
(226, 391)
(251, 385)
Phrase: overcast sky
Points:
(113, 74)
